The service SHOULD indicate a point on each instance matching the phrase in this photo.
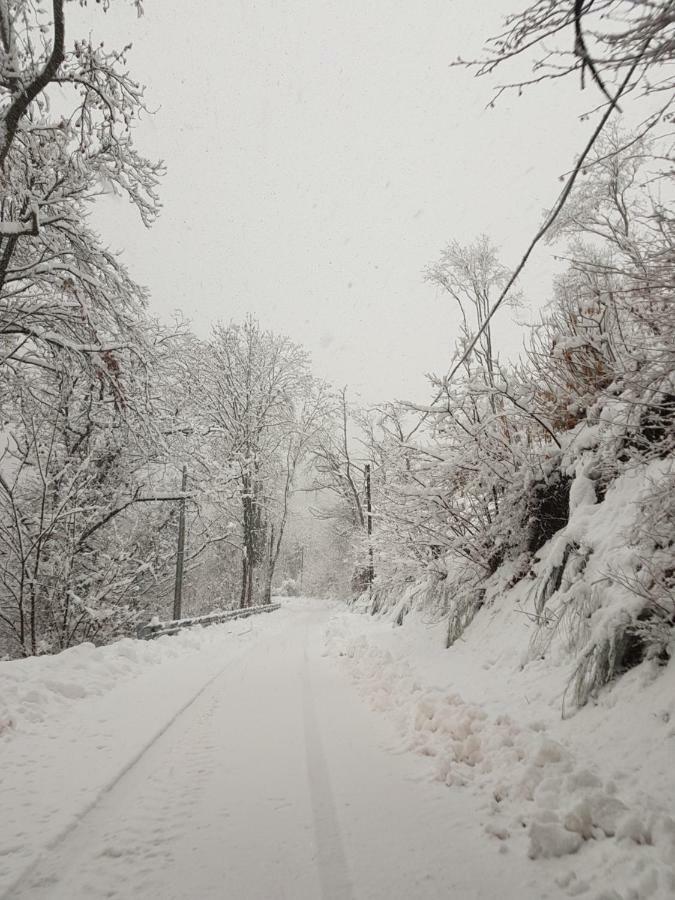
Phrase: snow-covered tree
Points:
(260, 409)
(80, 457)
(490, 476)
(81, 438)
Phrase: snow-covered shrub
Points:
(552, 477)
(463, 611)
(644, 579)
(603, 589)
(289, 587)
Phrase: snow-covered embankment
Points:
(588, 797)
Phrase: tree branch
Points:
(23, 99)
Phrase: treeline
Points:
(103, 407)
(91, 473)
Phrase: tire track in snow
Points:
(16, 889)
(331, 858)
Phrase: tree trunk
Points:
(247, 571)
(244, 579)
(269, 573)
(249, 586)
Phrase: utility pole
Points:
(178, 589)
(369, 525)
(302, 566)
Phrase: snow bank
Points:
(544, 789)
(41, 688)
(72, 724)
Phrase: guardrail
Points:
(157, 629)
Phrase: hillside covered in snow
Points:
(552, 705)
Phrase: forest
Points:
(545, 480)
(462, 684)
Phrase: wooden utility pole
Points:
(178, 589)
(302, 566)
(369, 525)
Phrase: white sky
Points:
(320, 153)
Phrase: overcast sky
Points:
(320, 153)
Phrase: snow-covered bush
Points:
(289, 587)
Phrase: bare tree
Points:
(473, 277)
(599, 40)
(261, 408)
(336, 469)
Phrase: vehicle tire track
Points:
(30, 876)
(331, 857)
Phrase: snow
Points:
(75, 722)
(594, 792)
(241, 760)
(582, 492)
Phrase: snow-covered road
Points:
(273, 783)
(246, 762)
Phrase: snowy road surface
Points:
(274, 783)
(316, 754)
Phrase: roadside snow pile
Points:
(538, 793)
(43, 687)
